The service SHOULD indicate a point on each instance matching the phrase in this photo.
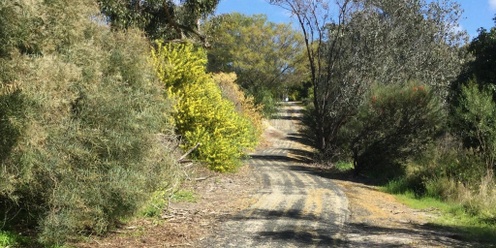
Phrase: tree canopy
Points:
(267, 57)
(353, 44)
(482, 66)
(160, 19)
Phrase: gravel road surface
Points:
(295, 207)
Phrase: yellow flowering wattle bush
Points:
(201, 114)
(245, 105)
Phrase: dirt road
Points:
(300, 206)
(295, 207)
(281, 201)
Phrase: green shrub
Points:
(264, 98)
(474, 121)
(202, 116)
(80, 112)
(393, 125)
(447, 171)
(155, 205)
(447, 158)
(9, 239)
(459, 166)
(398, 186)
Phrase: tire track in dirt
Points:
(295, 207)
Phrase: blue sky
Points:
(477, 13)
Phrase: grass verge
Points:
(184, 196)
(452, 216)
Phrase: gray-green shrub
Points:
(395, 123)
(81, 111)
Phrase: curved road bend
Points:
(295, 207)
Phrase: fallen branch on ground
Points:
(180, 160)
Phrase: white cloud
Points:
(492, 4)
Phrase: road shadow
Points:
(280, 158)
(286, 117)
(301, 138)
(367, 236)
(322, 233)
(317, 232)
(290, 155)
(334, 174)
(441, 237)
(296, 236)
(264, 214)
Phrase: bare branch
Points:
(188, 152)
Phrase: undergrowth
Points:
(184, 196)
(472, 223)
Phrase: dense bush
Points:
(245, 105)
(465, 173)
(266, 99)
(202, 116)
(448, 171)
(459, 166)
(80, 111)
(474, 121)
(394, 124)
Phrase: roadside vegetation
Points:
(400, 97)
(268, 58)
(453, 215)
(208, 122)
(99, 100)
(96, 111)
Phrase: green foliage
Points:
(464, 173)
(474, 121)
(482, 67)
(201, 115)
(155, 205)
(265, 98)
(448, 159)
(473, 225)
(396, 123)
(80, 115)
(343, 166)
(184, 195)
(267, 57)
(451, 173)
(351, 46)
(397, 186)
(159, 19)
(8, 239)
(17, 29)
